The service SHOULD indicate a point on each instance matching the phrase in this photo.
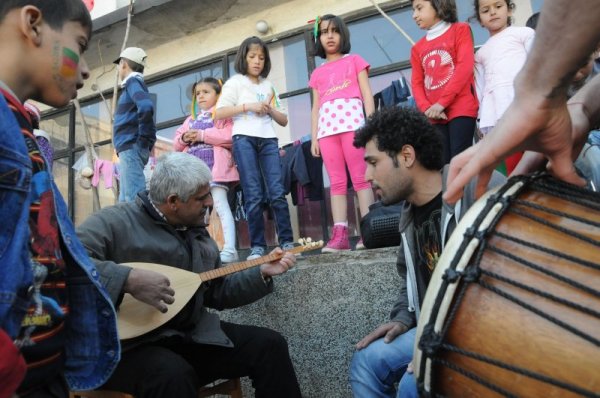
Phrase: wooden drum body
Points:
(513, 306)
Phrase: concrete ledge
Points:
(323, 308)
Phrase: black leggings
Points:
(457, 135)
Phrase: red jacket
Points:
(442, 72)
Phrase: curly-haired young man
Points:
(404, 156)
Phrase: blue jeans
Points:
(588, 164)
(594, 137)
(375, 369)
(259, 165)
(131, 172)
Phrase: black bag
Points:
(380, 227)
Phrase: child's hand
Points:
(314, 149)
(260, 108)
(269, 109)
(189, 136)
(436, 111)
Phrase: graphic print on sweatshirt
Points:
(438, 68)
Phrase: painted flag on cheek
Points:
(69, 63)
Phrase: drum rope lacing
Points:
(536, 267)
(541, 293)
(514, 369)
(531, 245)
(432, 342)
(571, 193)
(557, 227)
(554, 212)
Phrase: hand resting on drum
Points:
(390, 330)
(150, 287)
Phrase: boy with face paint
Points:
(57, 324)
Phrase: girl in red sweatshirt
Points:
(442, 73)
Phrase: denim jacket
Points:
(93, 349)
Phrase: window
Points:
(381, 82)
(231, 63)
(466, 11)
(299, 109)
(173, 96)
(57, 126)
(60, 172)
(97, 119)
(536, 5)
(289, 68)
(83, 197)
(167, 134)
(379, 42)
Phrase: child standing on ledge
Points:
(340, 90)
(210, 141)
(251, 101)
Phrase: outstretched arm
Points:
(538, 118)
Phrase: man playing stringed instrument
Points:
(166, 225)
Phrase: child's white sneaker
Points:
(229, 256)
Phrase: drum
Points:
(513, 306)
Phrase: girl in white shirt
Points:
(497, 63)
(252, 102)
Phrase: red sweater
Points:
(442, 72)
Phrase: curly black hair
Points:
(394, 127)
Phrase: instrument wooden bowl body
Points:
(136, 318)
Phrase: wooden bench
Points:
(232, 387)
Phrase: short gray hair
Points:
(178, 173)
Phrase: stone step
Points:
(322, 307)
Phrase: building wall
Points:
(222, 36)
(218, 38)
(103, 7)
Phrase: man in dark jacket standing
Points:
(166, 225)
(134, 131)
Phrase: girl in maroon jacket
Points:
(442, 73)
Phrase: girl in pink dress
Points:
(340, 91)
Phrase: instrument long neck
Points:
(236, 267)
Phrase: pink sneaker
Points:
(339, 241)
